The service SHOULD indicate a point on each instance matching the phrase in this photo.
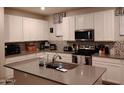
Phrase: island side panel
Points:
(22, 78)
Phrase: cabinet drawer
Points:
(106, 60)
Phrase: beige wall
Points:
(23, 13)
(86, 10)
(2, 55)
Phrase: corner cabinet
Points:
(35, 29)
(68, 26)
(113, 66)
(85, 21)
(13, 28)
(104, 25)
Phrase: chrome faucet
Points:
(55, 57)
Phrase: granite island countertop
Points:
(109, 56)
(81, 75)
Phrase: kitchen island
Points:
(30, 73)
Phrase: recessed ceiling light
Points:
(42, 8)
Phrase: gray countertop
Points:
(109, 56)
(81, 75)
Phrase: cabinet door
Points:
(84, 21)
(79, 22)
(114, 73)
(45, 31)
(97, 64)
(28, 29)
(68, 27)
(109, 25)
(99, 26)
(121, 25)
(88, 21)
(31, 28)
(104, 26)
(35, 29)
(58, 29)
(13, 28)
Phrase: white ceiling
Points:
(47, 11)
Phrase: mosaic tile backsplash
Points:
(118, 48)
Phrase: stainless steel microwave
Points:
(84, 35)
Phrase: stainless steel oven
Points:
(84, 55)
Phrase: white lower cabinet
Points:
(114, 69)
(94, 63)
(67, 58)
(122, 72)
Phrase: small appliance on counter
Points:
(53, 47)
(11, 49)
(46, 45)
(101, 49)
(68, 48)
(42, 45)
(107, 50)
(31, 47)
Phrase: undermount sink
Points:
(67, 66)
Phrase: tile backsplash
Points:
(118, 48)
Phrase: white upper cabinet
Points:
(121, 25)
(68, 26)
(45, 30)
(19, 28)
(13, 28)
(58, 29)
(109, 24)
(99, 26)
(35, 29)
(104, 25)
(84, 21)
